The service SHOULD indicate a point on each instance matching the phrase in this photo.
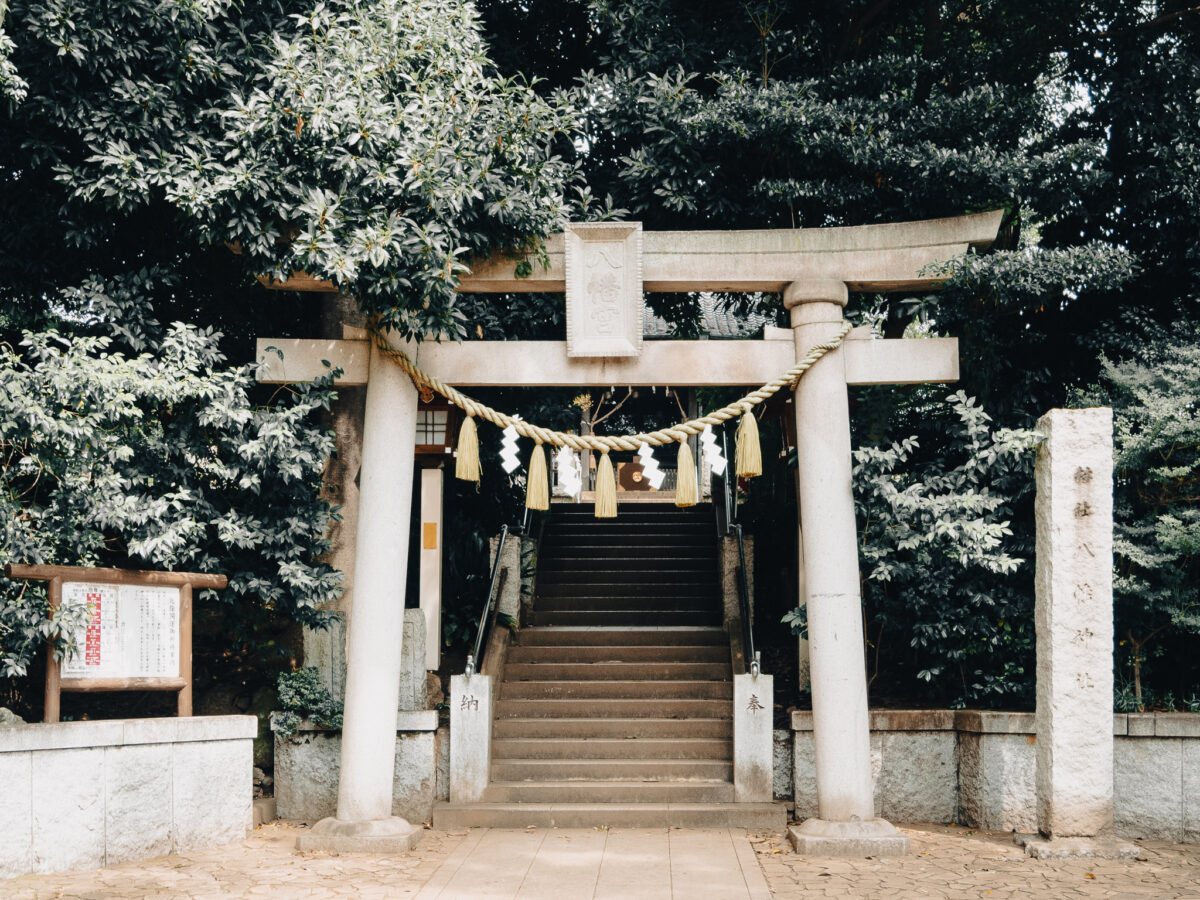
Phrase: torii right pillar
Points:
(846, 824)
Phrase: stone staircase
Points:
(615, 706)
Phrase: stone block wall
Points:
(81, 795)
(307, 765)
(978, 768)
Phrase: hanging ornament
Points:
(713, 456)
(686, 489)
(650, 470)
(570, 479)
(606, 488)
(537, 489)
(510, 461)
(749, 455)
(466, 465)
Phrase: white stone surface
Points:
(1148, 787)
(509, 601)
(996, 781)
(414, 787)
(804, 774)
(603, 283)
(835, 636)
(1073, 617)
(68, 812)
(412, 662)
(16, 813)
(430, 561)
(213, 784)
(121, 790)
(781, 787)
(680, 363)
(1191, 790)
(137, 823)
(978, 768)
(753, 738)
(441, 749)
(918, 776)
(887, 257)
(375, 631)
(470, 736)
(325, 650)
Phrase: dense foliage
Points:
(155, 157)
(1156, 413)
(160, 461)
(376, 144)
(1077, 117)
(303, 695)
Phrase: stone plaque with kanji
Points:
(604, 288)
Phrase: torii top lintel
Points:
(888, 257)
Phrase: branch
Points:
(1156, 22)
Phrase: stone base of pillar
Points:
(858, 837)
(1103, 847)
(392, 835)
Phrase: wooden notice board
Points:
(136, 633)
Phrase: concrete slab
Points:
(602, 864)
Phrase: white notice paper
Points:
(130, 631)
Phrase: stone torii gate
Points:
(604, 268)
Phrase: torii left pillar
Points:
(364, 821)
(846, 824)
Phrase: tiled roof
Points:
(716, 322)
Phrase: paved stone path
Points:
(629, 864)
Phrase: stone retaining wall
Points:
(307, 766)
(977, 768)
(81, 795)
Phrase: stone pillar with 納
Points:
(364, 821)
(1073, 618)
(846, 823)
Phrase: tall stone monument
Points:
(1074, 621)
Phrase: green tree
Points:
(161, 461)
(1156, 545)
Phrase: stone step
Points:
(590, 636)
(619, 653)
(752, 816)
(609, 792)
(626, 618)
(614, 584)
(620, 770)
(631, 729)
(641, 547)
(616, 690)
(594, 598)
(600, 708)
(612, 748)
(685, 565)
(618, 671)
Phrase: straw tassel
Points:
(467, 465)
(537, 490)
(606, 488)
(749, 454)
(686, 493)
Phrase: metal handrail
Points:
(744, 598)
(474, 659)
(727, 524)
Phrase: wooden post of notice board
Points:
(126, 676)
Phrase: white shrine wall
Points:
(81, 795)
(977, 768)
